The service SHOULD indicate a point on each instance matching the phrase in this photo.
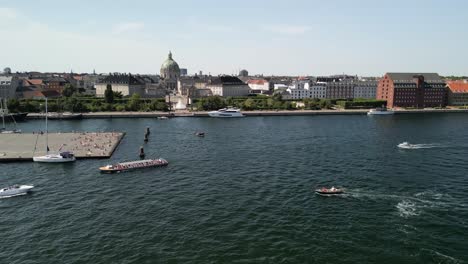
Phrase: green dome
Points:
(170, 66)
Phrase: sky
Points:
(295, 37)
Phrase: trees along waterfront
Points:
(114, 101)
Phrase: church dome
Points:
(170, 69)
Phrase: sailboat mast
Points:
(46, 128)
(3, 114)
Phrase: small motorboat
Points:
(15, 190)
(200, 134)
(329, 191)
(404, 145)
(163, 117)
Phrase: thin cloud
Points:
(286, 29)
(8, 13)
(128, 27)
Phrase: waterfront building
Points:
(260, 86)
(318, 90)
(36, 94)
(8, 86)
(299, 89)
(55, 83)
(27, 86)
(280, 86)
(127, 84)
(340, 90)
(228, 86)
(170, 73)
(412, 90)
(366, 89)
(458, 92)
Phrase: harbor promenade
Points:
(186, 113)
(22, 147)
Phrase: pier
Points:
(22, 147)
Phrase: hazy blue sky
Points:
(365, 37)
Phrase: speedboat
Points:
(226, 112)
(163, 117)
(56, 158)
(404, 145)
(380, 111)
(329, 191)
(15, 190)
(132, 165)
(200, 134)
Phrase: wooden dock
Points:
(22, 147)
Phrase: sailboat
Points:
(4, 109)
(60, 157)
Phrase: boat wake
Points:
(410, 205)
(406, 145)
(407, 209)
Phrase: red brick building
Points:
(412, 90)
(458, 92)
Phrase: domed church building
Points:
(170, 72)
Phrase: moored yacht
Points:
(380, 111)
(62, 156)
(226, 112)
(54, 158)
(15, 190)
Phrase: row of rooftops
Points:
(402, 79)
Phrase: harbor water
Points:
(244, 193)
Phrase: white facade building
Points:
(365, 89)
(259, 85)
(228, 86)
(318, 90)
(280, 86)
(299, 90)
(125, 83)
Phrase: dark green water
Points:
(244, 194)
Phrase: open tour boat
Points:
(132, 165)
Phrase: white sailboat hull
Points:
(53, 158)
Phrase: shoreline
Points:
(184, 113)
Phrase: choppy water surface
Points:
(244, 194)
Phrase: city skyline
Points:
(264, 37)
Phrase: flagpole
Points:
(46, 129)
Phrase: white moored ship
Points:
(226, 112)
(15, 190)
(380, 111)
(60, 157)
(53, 158)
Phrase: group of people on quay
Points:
(95, 143)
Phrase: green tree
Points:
(134, 102)
(68, 90)
(157, 105)
(211, 103)
(109, 94)
(118, 95)
(13, 105)
(249, 104)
